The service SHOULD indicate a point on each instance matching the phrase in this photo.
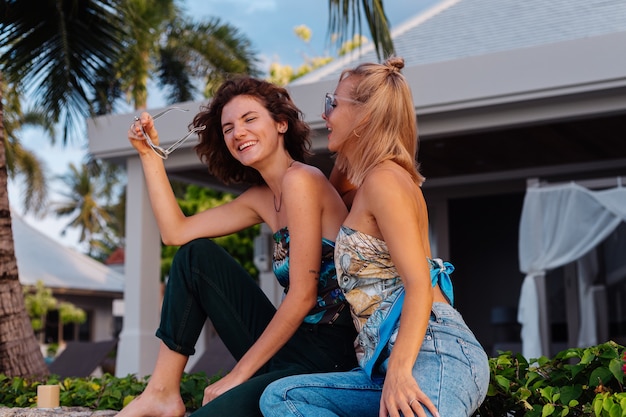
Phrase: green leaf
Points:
(547, 393)
(622, 403)
(588, 357)
(599, 376)
(503, 382)
(128, 399)
(503, 360)
(598, 403)
(547, 410)
(615, 411)
(532, 376)
(615, 366)
(608, 403)
(570, 393)
(524, 393)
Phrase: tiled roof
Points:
(455, 29)
(42, 258)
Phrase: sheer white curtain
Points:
(559, 225)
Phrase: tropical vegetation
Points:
(54, 53)
(23, 164)
(40, 301)
(193, 199)
(575, 382)
(91, 198)
(345, 22)
(77, 59)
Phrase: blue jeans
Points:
(452, 369)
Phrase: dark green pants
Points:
(206, 282)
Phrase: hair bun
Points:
(395, 63)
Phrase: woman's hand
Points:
(402, 394)
(136, 137)
(219, 387)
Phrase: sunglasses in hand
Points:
(160, 151)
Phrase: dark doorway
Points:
(487, 280)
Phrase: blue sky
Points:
(269, 24)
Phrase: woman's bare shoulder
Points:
(305, 175)
(387, 175)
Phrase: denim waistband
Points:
(444, 310)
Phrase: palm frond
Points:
(208, 50)
(345, 21)
(56, 50)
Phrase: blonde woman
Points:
(416, 354)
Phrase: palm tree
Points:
(345, 21)
(176, 52)
(209, 51)
(22, 163)
(61, 52)
(179, 55)
(145, 20)
(84, 193)
(55, 51)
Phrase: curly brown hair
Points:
(212, 149)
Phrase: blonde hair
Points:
(387, 129)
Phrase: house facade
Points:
(506, 94)
(74, 278)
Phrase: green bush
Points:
(98, 393)
(576, 382)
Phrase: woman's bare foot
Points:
(152, 403)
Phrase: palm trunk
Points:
(20, 354)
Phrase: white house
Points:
(507, 93)
(72, 277)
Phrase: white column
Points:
(138, 346)
(263, 248)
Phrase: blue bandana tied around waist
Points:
(439, 274)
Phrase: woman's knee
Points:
(203, 246)
(279, 397)
(291, 388)
(202, 257)
(270, 395)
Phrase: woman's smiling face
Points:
(340, 121)
(249, 130)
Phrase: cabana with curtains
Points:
(560, 225)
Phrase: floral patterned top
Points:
(330, 299)
(371, 284)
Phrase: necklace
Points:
(280, 197)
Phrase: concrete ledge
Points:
(55, 412)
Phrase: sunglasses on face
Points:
(161, 152)
(330, 102)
